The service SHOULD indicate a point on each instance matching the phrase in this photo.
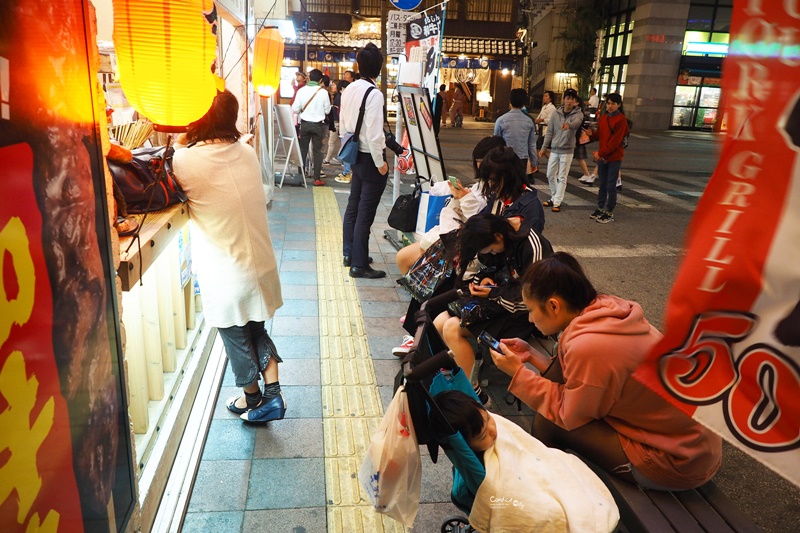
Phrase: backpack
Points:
(147, 183)
(624, 142)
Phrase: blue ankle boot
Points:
(274, 409)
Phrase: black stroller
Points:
(428, 368)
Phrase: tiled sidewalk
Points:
(273, 478)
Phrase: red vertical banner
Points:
(65, 444)
(730, 356)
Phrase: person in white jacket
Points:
(232, 250)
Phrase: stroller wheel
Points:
(456, 524)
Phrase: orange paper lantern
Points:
(165, 50)
(267, 60)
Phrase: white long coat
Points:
(231, 245)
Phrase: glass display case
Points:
(685, 96)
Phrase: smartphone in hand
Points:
(454, 182)
(490, 341)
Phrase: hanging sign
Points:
(406, 5)
(396, 32)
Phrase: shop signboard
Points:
(730, 355)
(65, 440)
(423, 45)
(396, 31)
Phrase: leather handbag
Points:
(403, 216)
(348, 153)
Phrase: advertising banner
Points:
(65, 446)
(730, 356)
(396, 31)
(423, 34)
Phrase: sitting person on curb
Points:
(553, 490)
(586, 399)
(496, 303)
(466, 201)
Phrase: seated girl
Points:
(509, 253)
(528, 486)
(586, 399)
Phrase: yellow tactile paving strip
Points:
(351, 403)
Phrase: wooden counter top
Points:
(159, 229)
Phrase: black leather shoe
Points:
(366, 272)
(346, 261)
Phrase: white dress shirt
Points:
(318, 106)
(546, 113)
(371, 139)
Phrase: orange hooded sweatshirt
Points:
(598, 352)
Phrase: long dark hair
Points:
(478, 232)
(463, 413)
(559, 275)
(499, 174)
(219, 122)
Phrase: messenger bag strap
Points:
(309, 100)
(361, 112)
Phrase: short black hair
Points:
(315, 75)
(571, 93)
(463, 412)
(518, 97)
(219, 122)
(443, 87)
(341, 84)
(552, 96)
(326, 80)
(370, 61)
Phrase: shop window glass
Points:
(685, 96)
(628, 41)
(700, 18)
(721, 38)
(709, 96)
(722, 20)
(705, 118)
(682, 117)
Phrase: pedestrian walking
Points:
(457, 108)
(370, 169)
(519, 132)
(547, 110)
(611, 130)
(559, 141)
(441, 103)
(311, 104)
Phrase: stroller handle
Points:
(443, 359)
(437, 304)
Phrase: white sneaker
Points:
(589, 179)
(584, 178)
(404, 348)
(619, 183)
(344, 178)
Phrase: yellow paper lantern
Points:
(267, 60)
(165, 51)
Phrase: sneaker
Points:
(404, 348)
(590, 179)
(619, 184)
(483, 397)
(343, 178)
(596, 214)
(605, 218)
(319, 183)
(585, 178)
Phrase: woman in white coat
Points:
(232, 249)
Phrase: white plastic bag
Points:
(392, 471)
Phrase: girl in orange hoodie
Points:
(586, 399)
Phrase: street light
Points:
(267, 61)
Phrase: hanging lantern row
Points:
(165, 52)
(267, 61)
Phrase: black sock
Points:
(252, 398)
(271, 390)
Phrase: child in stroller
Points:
(504, 478)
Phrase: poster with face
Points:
(65, 444)
(423, 35)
